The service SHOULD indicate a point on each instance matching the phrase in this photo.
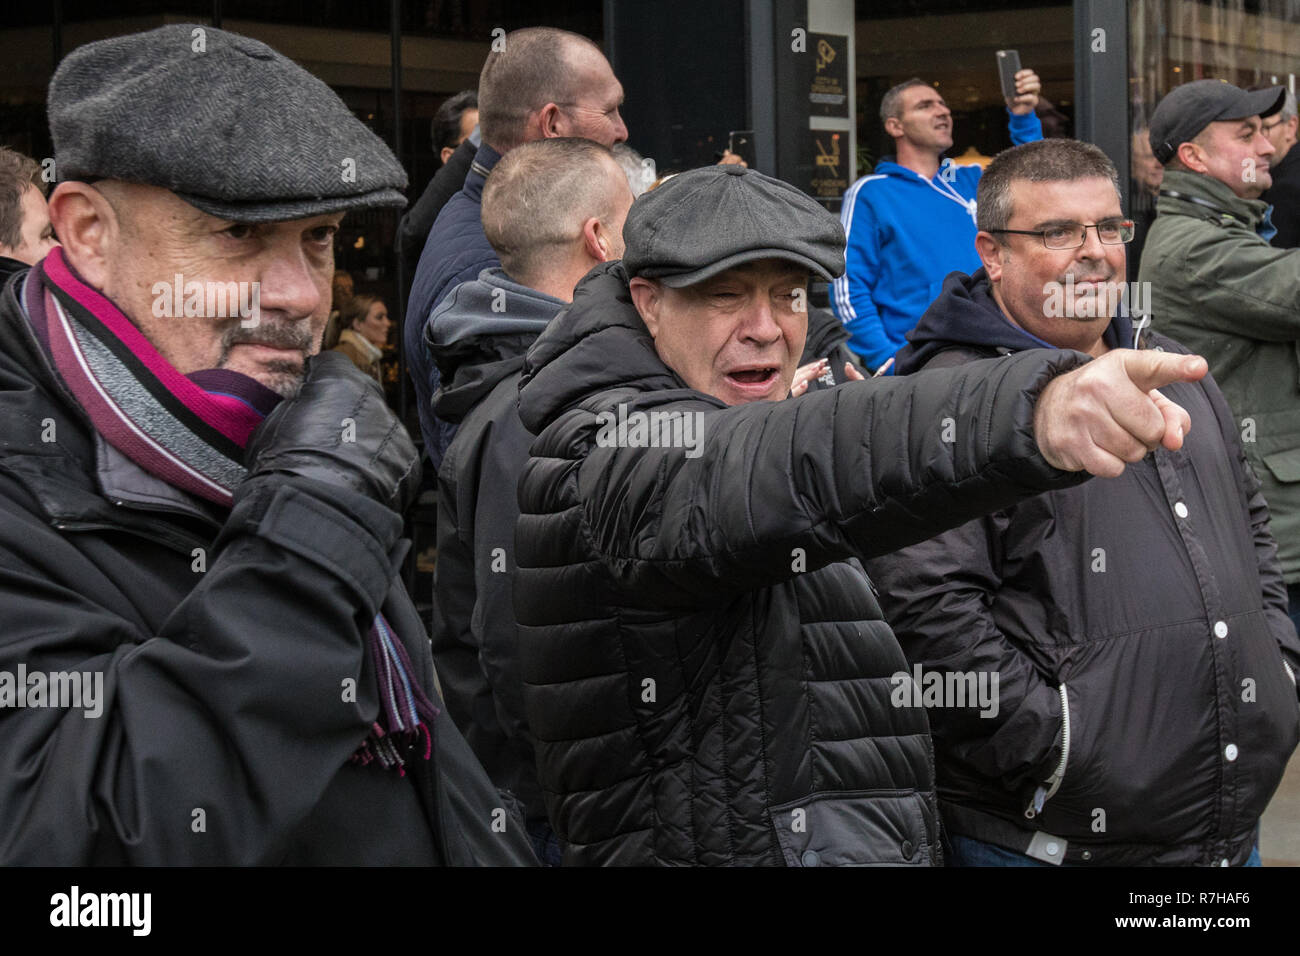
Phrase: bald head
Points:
(554, 208)
(545, 82)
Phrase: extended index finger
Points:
(1152, 369)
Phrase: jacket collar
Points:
(362, 344)
(484, 160)
(1196, 189)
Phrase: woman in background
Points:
(361, 333)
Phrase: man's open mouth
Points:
(757, 377)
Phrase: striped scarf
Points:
(190, 431)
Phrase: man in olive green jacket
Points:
(1220, 289)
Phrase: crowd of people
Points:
(994, 562)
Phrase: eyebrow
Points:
(1075, 222)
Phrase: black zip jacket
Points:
(706, 670)
(224, 641)
(1148, 607)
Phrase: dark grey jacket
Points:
(705, 667)
(1146, 613)
(222, 640)
(478, 337)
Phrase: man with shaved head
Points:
(543, 83)
(553, 209)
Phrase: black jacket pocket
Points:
(855, 828)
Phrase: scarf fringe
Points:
(405, 712)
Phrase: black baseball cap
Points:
(705, 221)
(1189, 108)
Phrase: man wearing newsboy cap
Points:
(705, 665)
(206, 656)
(1221, 289)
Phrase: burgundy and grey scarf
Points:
(190, 431)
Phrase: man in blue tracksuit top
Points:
(912, 221)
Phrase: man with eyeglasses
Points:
(1133, 630)
(1284, 169)
(1221, 289)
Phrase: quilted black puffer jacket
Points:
(705, 666)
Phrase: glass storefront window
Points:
(952, 45)
(1171, 42)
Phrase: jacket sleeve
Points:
(474, 637)
(1248, 288)
(217, 733)
(937, 597)
(1027, 128)
(852, 294)
(773, 489)
(1275, 598)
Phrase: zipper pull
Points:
(1036, 805)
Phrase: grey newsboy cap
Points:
(225, 122)
(1189, 108)
(703, 222)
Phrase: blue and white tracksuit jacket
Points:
(905, 234)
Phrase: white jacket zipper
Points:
(1047, 789)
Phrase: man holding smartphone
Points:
(912, 221)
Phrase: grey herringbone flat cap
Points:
(225, 122)
(703, 222)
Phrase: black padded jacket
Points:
(706, 670)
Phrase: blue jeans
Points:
(547, 846)
(963, 851)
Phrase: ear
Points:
(894, 127)
(595, 241)
(550, 120)
(647, 297)
(1189, 154)
(87, 227)
(445, 153)
(990, 253)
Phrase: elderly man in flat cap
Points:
(1220, 288)
(206, 655)
(706, 670)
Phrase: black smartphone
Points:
(1008, 67)
(741, 142)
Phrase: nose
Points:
(1264, 145)
(291, 285)
(759, 323)
(1093, 247)
(620, 130)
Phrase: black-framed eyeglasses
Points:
(1266, 127)
(1071, 235)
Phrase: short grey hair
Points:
(891, 104)
(1044, 161)
(533, 68)
(539, 195)
(640, 172)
